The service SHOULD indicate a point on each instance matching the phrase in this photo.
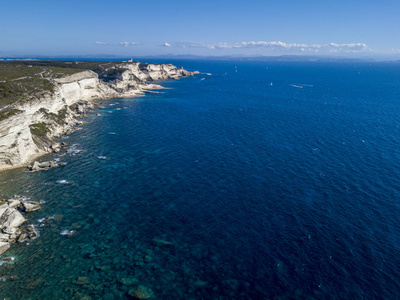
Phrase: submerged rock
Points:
(128, 281)
(9, 259)
(58, 218)
(200, 283)
(82, 280)
(141, 292)
(33, 235)
(71, 233)
(13, 278)
(161, 243)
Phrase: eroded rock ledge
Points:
(31, 127)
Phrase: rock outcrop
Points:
(11, 220)
(34, 126)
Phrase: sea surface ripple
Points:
(257, 180)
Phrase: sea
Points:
(250, 180)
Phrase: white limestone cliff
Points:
(29, 132)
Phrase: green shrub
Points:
(39, 129)
(6, 113)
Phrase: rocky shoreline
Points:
(35, 124)
(12, 219)
(33, 131)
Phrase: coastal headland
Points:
(41, 101)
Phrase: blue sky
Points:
(218, 27)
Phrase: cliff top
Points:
(24, 80)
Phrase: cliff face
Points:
(35, 124)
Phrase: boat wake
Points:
(296, 86)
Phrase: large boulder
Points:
(3, 208)
(22, 237)
(11, 219)
(39, 166)
(4, 237)
(56, 147)
(4, 246)
(45, 164)
(14, 203)
(30, 205)
(35, 167)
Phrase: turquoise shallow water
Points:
(224, 187)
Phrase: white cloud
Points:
(167, 45)
(124, 44)
(127, 44)
(284, 47)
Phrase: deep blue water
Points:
(287, 190)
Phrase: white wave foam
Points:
(74, 150)
(62, 181)
(66, 232)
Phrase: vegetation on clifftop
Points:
(39, 129)
(8, 112)
(26, 80)
(58, 118)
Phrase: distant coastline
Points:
(238, 57)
